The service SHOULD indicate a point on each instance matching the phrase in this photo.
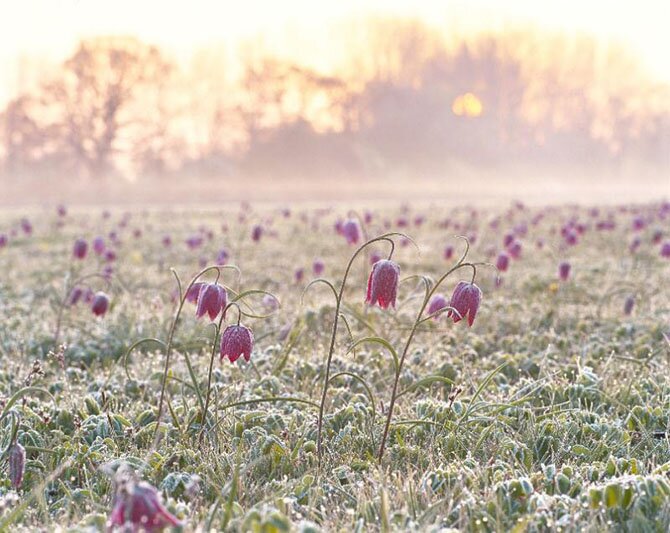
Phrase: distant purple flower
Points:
(634, 244)
(383, 284)
(3, 240)
(299, 274)
(628, 305)
(110, 255)
(351, 230)
(437, 303)
(99, 245)
(502, 263)
(166, 241)
(514, 250)
(665, 249)
(26, 226)
(564, 270)
(448, 252)
(194, 241)
(256, 233)
(17, 464)
(465, 301)
(508, 239)
(270, 302)
(639, 223)
(80, 249)
(237, 341)
(61, 211)
(318, 267)
(100, 304)
(75, 295)
(222, 257)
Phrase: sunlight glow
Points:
(467, 105)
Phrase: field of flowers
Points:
(480, 369)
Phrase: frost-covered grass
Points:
(550, 412)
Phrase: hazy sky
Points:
(51, 28)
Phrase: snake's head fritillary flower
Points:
(257, 233)
(628, 305)
(351, 230)
(137, 507)
(502, 263)
(665, 249)
(3, 240)
(26, 226)
(100, 304)
(61, 210)
(437, 303)
(465, 301)
(448, 252)
(299, 275)
(80, 249)
(212, 299)
(564, 270)
(318, 267)
(193, 292)
(237, 341)
(514, 250)
(222, 257)
(75, 295)
(99, 245)
(17, 464)
(166, 241)
(383, 283)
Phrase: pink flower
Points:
(212, 298)
(237, 341)
(17, 464)
(100, 304)
(383, 284)
(628, 305)
(465, 300)
(257, 232)
(564, 270)
(318, 267)
(80, 249)
(137, 507)
(193, 292)
(99, 245)
(351, 231)
(437, 302)
(502, 263)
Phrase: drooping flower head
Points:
(628, 305)
(465, 300)
(100, 304)
(502, 263)
(99, 245)
(17, 464)
(383, 283)
(564, 270)
(137, 506)
(448, 252)
(257, 232)
(212, 298)
(318, 267)
(437, 303)
(80, 249)
(237, 341)
(665, 249)
(193, 292)
(351, 230)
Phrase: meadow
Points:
(546, 411)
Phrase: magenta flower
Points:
(17, 464)
(166, 241)
(222, 257)
(437, 303)
(465, 301)
(212, 298)
(665, 249)
(193, 292)
(564, 270)
(351, 231)
(383, 284)
(26, 226)
(318, 267)
(80, 249)
(514, 250)
(75, 295)
(61, 210)
(3, 240)
(257, 232)
(137, 507)
(628, 305)
(502, 263)
(448, 252)
(299, 274)
(100, 304)
(99, 245)
(237, 341)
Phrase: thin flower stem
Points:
(331, 348)
(417, 322)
